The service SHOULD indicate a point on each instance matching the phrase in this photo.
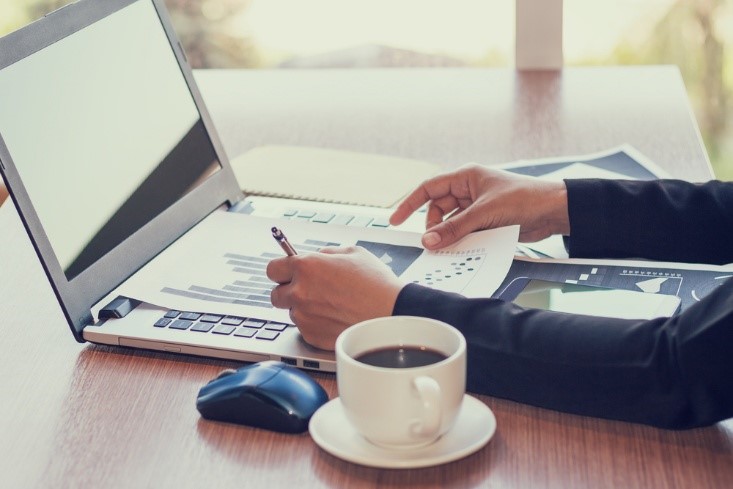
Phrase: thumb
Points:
(449, 231)
(336, 250)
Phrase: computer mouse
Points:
(269, 395)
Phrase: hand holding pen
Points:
(283, 242)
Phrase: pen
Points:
(283, 242)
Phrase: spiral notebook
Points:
(329, 175)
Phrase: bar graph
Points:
(689, 285)
(251, 287)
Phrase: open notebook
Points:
(329, 175)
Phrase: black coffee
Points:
(401, 357)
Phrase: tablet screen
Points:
(595, 301)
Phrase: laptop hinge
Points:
(118, 308)
(242, 207)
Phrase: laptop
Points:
(110, 156)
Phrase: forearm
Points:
(667, 220)
(638, 371)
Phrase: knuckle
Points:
(298, 318)
(294, 316)
(275, 297)
(299, 263)
(299, 294)
(270, 270)
(450, 228)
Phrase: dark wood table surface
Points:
(90, 416)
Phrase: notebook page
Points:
(329, 175)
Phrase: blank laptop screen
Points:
(104, 133)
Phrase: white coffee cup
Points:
(401, 407)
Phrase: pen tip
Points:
(274, 229)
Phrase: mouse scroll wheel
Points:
(225, 373)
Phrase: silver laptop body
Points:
(110, 155)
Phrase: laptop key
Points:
(210, 318)
(190, 316)
(162, 322)
(231, 321)
(267, 335)
(224, 329)
(180, 324)
(342, 220)
(254, 323)
(290, 212)
(245, 332)
(306, 214)
(172, 314)
(274, 326)
(202, 327)
(322, 217)
(380, 222)
(360, 221)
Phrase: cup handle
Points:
(429, 392)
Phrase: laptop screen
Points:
(110, 139)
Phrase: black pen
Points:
(283, 242)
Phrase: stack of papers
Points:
(623, 162)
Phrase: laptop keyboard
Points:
(340, 219)
(254, 328)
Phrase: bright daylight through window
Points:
(695, 35)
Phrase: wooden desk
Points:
(88, 416)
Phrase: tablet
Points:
(589, 300)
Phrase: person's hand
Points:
(476, 197)
(329, 291)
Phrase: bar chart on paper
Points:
(253, 288)
(220, 266)
(250, 286)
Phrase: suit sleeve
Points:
(669, 372)
(667, 220)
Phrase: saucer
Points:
(474, 427)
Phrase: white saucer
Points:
(332, 432)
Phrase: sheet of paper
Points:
(582, 170)
(626, 161)
(554, 247)
(219, 266)
(623, 159)
(329, 175)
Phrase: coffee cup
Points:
(401, 379)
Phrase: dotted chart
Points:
(453, 273)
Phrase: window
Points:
(696, 35)
(345, 33)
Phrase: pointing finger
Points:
(429, 190)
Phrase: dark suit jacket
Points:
(668, 372)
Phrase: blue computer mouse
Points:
(269, 395)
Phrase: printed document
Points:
(219, 266)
